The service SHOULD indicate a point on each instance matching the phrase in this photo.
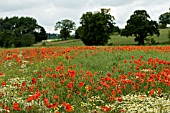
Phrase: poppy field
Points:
(85, 79)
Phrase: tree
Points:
(40, 34)
(140, 25)
(164, 19)
(65, 26)
(96, 27)
(19, 32)
(116, 29)
(77, 35)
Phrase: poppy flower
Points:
(151, 92)
(30, 98)
(33, 80)
(119, 99)
(16, 106)
(24, 84)
(106, 109)
(69, 108)
(1, 73)
(55, 97)
(3, 83)
(81, 84)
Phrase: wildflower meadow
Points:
(85, 79)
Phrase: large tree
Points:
(65, 26)
(164, 19)
(17, 32)
(140, 25)
(96, 27)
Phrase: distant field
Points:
(115, 40)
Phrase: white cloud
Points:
(48, 12)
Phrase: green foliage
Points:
(140, 26)
(20, 32)
(164, 19)
(96, 27)
(150, 41)
(78, 30)
(65, 27)
(169, 36)
(43, 44)
(116, 29)
(40, 34)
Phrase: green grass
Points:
(121, 40)
(72, 43)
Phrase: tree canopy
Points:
(65, 26)
(96, 27)
(164, 19)
(140, 25)
(18, 32)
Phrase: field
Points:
(116, 40)
(85, 79)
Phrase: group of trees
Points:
(20, 32)
(95, 28)
(140, 25)
(164, 19)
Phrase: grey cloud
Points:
(111, 2)
(14, 5)
(48, 12)
(70, 4)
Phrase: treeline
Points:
(95, 28)
(20, 32)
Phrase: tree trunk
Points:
(141, 41)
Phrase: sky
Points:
(49, 12)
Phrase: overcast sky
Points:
(48, 12)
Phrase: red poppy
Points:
(3, 83)
(64, 104)
(16, 106)
(37, 94)
(106, 109)
(1, 73)
(69, 95)
(55, 97)
(151, 92)
(119, 99)
(70, 85)
(69, 108)
(109, 74)
(81, 84)
(46, 102)
(113, 92)
(24, 83)
(6, 108)
(133, 56)
(30, 98)
(33, 80)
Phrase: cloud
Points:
(111, 2)
(48, 12)
(15, 5)
(153, 8)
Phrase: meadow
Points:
(85, 79)
(115, 40)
